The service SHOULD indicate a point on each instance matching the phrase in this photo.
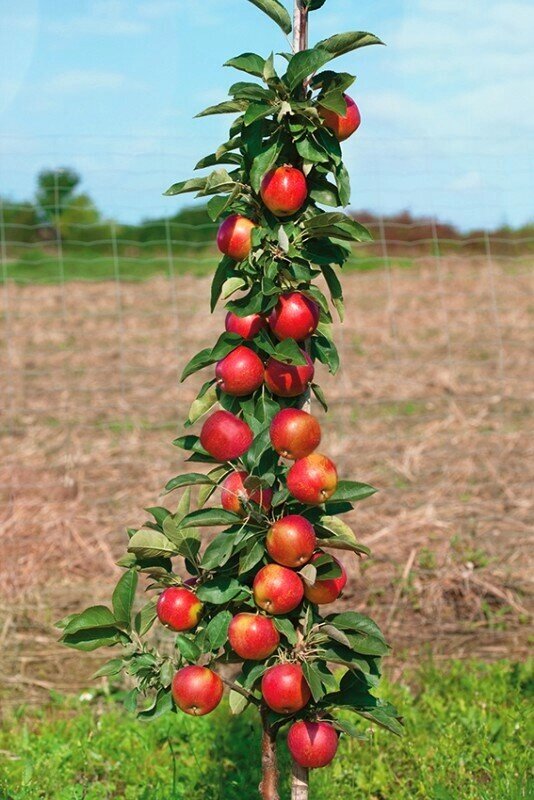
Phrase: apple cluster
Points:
(290, 539)
(254, 610)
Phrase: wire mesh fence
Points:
(431, 405)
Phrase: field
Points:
(431, 406)
(467, 737)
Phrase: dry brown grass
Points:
(431, 406)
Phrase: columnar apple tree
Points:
(253, 612)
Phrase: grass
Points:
(39, 267)
(467, 738)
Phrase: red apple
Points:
(178, 608)
(284, 688)
(312, 744)
(253, 637)
(240, 372)
(246, 327)
(197, 690)
(277, 589)
(295, 316)
(284, 190)
(234, 238)
(288, 380)
(295, 433)
(291, 541)
(225, 436)
(342, 125)
(239, 487)
(313, 479)
(328, 590)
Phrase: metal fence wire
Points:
(431, 405)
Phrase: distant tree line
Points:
(60, 211)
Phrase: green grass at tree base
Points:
(467, 738)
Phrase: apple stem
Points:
(269, 767)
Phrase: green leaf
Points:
(338, 225)
(188, 443)
(213, 159)
(224, 270)
(192, 185)
(309, 151)
(151, 544)
(343, 184)
(216, 476)
(342, 43)
(184, 506)
(337, 653)
(163, 703)
(188, 648)
(91, 638)
(210, 517)
(319, 394)
(257, 111)
(350, 730)
(353, 621)
(363, 643)
(218, 204)
(334, 287)
(269, 72)
(308, 574)
(92, 618)
(252, 672)
(353, 491)
(202, 405)
(248, 62)
(304, 63)
(199, 361)
(263, 163)
(219, 182)
(217, 629)
(110, 668)
(237, 701)
(190, 479)
(218, 551)
(325, 351)
(313, 680)
(166, 673)
(334, 101)
(231, 286)
(250, 556)
(247, 90)
(286, 628)
(219, 590)
(276, 12)
(289, 352)
(123, 597)
(227, 107)
(340, 535)
(159, 513)
(385, 718)
(145, 618)
(185, 539)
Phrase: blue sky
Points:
(110, 87)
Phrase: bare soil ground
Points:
(431, 406)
